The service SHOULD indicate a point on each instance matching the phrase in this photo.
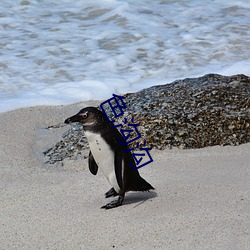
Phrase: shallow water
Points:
(63, 52)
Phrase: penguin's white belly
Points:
(104, 157)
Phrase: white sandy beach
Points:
(201, 198)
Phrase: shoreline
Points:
(201, 198)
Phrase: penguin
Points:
(108, 154)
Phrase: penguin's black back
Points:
(132, 180)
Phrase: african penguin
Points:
(107, 153)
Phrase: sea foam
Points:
(63, 52)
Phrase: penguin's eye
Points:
(84, 115)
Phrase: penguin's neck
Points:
(96, 127)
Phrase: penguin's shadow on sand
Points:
(138, 198)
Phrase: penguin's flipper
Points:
(111, 193)
(93, 167)
(113, 204)
(118, 166)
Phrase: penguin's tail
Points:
(141, 185)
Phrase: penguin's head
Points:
(88, 117)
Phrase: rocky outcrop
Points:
(190, 113)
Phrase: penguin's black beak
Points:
(74, 118)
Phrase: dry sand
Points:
(201, 201)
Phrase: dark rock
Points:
(190, 113)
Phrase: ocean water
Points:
(61, 52)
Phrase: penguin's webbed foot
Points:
(111, 193)
(113, 204)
